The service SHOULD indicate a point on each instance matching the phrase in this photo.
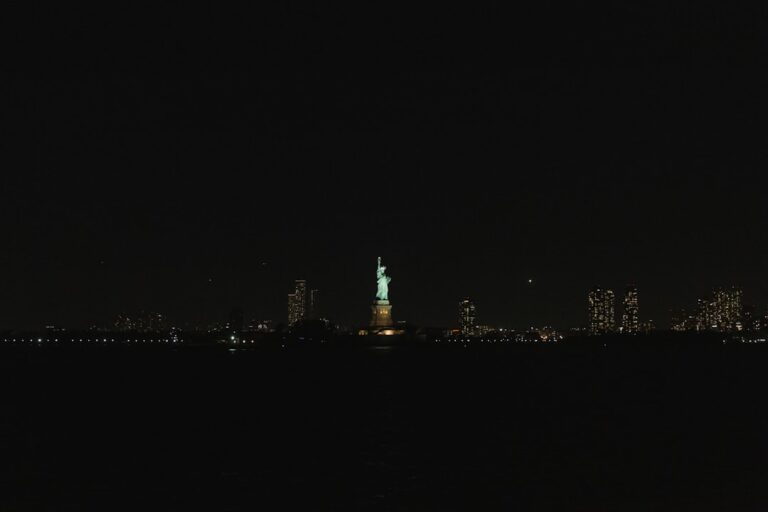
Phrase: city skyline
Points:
(723, 308)
(574, 163)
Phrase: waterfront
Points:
(531, 428)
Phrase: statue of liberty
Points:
(383, 280)
(381, 309)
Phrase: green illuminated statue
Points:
(383, 281)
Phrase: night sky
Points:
(191, 162)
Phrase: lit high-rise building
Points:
(630, 320)
(734, 309)
(703, 315)
(291, 309)
(721, 311)
(467, 320)
(601, 311)
(297, 303)
(725, 309)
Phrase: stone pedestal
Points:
(381, 315)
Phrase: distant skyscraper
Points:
(630, 320)
(735, 302)
(467, 320)
(297, 303)
(601, 311)
(703, 315)
(291, 309)
(314, 304)
(721, 311)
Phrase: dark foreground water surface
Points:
(521, 428)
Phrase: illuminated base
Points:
(381, 320)
(381, 314)
(381, 331)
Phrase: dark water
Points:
(534, 428)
